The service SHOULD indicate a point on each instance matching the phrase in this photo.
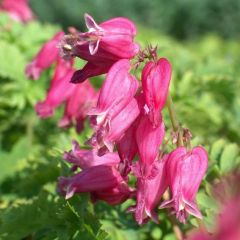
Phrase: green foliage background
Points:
(179, 18)
(205, 89)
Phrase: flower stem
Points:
(175, 124)
(172, 113)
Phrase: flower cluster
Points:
(126, 118)
(17, 10)
(78, 99)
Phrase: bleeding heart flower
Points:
(149, 190)
(106, 136)
(101, 46)
(185, 172)
(88, 158)
(96, 178)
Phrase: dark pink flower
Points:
(89, 158)
(185, 172)
(106, 136)
(148, 140)
(59, 91)
(149, 190)
(18, 10)
(81, 100)
(156, 77)
(101, 46)
(116, 92)
(116, 102)
(96, 178)
(47, 55)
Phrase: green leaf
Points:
(228, 160)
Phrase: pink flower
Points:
(101, 46)
(228, 224)
(116, 92)
(148, 140)
(115, 103)
(106, 136)
(59, 91)
(89, 158)
(156, 77)
(18, 10)
(47, 55)
(185, 172)
(96, 178)
(149, 190)
(81, 100)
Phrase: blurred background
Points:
(180, 19)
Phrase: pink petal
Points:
(155, 82)
(90, 23)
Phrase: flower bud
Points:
(59, 90)
(47, 55)
(156, 77)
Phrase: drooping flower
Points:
(149, 190)
(116, 102)
(81, 100)
(106, 136)
(18, 10)
(59, 91)
(89, 158)
(47, 55)
(156, 77)
(185, 172)
(96, 178)
(86, 159)
(115, 93)
(101, 46)
(148, 140)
